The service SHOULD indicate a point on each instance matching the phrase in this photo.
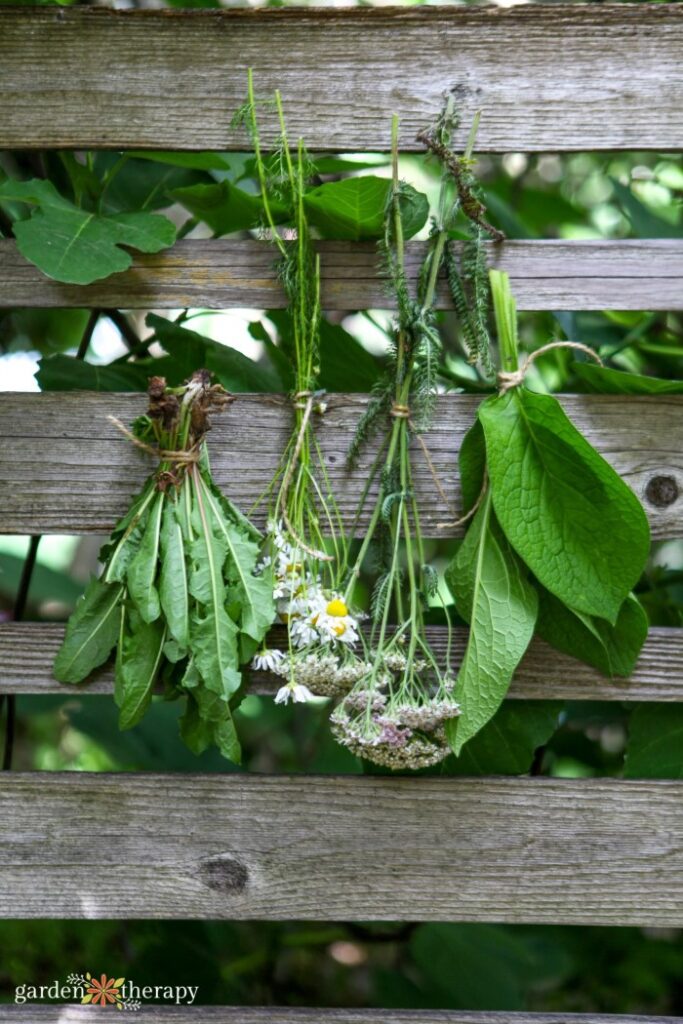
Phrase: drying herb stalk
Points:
(396, 713)
(306, 546)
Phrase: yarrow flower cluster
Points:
(391, 718)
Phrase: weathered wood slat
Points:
(219, 273)
(65, 469)
(36, 1014)
(322, 848)
(73, 78)
(27, 651)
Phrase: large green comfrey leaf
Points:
(566, 512)
(91, 632)
(472, 465)
(78, 246)
(492, 594)
(612, 649)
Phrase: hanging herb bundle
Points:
(556, 543)
(397, 712)
(177, 596)
(306, 548)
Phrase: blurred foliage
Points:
(450, 966)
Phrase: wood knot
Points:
(224, 874)
(661, 491)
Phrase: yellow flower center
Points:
(337, 608)
(339, 629)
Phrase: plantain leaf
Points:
(142, 570)
(138, 668)
(91, 632)
(491, 593)
(612, 649)
(173, 592)
(566, 512)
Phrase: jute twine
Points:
(186, 456)
(513, 378)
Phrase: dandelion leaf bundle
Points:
(179, 597)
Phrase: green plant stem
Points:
(259, 163)
(505, 313)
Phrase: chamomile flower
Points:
(303, 631)
(268, 660)
(296, 692)
(334, 623)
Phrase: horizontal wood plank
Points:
(323, 848)
(222, 273)
(65, 469)
(28, 649)
(36, 1014)
(74, 79)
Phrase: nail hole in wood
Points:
(661, 491)
(224, 874)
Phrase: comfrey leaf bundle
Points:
(556, 543)
(177, 596)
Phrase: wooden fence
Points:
(236, 846)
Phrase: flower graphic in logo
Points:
(105, 992)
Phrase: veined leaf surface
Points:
(487, 581)
(173, 592)
(142, 571)
(613, 650)
(138, 669)
(566, 512)
(91, 632)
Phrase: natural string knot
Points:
(310, 401)
(301, 399)
(509, 379)
(401, 412)
(187, 456)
